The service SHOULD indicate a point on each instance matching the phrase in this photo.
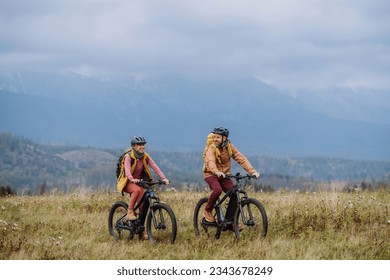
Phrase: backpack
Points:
(210, 141)
(120, 164)
(120, 173)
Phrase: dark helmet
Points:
(222, 131)
(138, 140)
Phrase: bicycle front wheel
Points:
(252, 221)
(117, 219)
(161, 224)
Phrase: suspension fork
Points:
(157, 218)
(240, 200)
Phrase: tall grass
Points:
(304, 226)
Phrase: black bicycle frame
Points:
(236, 190)
(146, 201)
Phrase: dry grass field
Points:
(328, 225)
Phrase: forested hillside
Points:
(29, 167)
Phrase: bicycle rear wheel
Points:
(252, 221)
(201, 226)
(117, 219)
(161, 224)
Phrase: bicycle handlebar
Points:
(238, 176)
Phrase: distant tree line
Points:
(6, 191)
(31, 168)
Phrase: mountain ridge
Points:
(176, 113)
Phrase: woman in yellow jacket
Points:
(137, 163)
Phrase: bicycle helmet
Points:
(138, 140)
(222, 131)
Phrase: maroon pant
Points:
(217, 185)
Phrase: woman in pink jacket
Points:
(137, 163)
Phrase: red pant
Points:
(218, 185)
(136, 192)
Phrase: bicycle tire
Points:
(158, 227)
(200, 227)
(253, 222)
(116, 217)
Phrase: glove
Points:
(256, 174)
(219, 174)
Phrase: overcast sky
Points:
(286, 43)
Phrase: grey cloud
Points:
(287, 43)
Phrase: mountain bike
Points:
(160, 223)
(250, 218)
